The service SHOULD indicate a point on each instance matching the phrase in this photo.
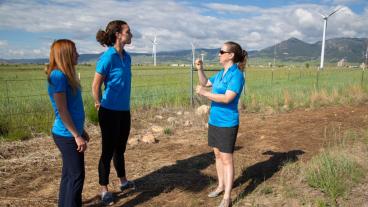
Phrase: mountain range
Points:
(293, 49)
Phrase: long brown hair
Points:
(240, 55)
(61, 57)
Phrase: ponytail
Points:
(243, 60)
(101, 37)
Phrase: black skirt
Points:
(223, 138)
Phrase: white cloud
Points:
(27, 53)
(233, 8)
(3, 43)
(304, 17)
(176, 24)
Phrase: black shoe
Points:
(128, 185)
(107, 199)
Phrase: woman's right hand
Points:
(97, 106)
(199, 64)
(81, 143)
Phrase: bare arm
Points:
(60, 100)
(203, 80)
(220, 98)
(96, 89)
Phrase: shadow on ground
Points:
(261, 171)
(184, 175)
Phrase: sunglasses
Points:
(223, 52)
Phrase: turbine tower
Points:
(325, 18)
(154, 44)
(193, 53)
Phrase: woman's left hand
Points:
(85, 136)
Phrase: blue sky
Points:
(28, 27)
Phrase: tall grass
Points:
(25, 107)
(333, 173)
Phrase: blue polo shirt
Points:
(226, 115)
(117, 73)
(59, 84)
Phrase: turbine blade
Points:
(334, 12)
(323, 16)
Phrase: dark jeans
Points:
(115, 129)
(72, 176)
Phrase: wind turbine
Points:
(193, 53)
(154, 44)
(325, 18)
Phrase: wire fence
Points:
(25, 108)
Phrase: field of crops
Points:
(25, 108)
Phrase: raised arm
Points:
(203, 80)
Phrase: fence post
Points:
(191, 86)
(362, 77)
(317, 79)
(8, 100)
(272, 77)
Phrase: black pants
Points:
(72, 176)
(115, 129)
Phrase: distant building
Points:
(342, 63)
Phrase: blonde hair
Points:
(61, 57)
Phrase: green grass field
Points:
(25, 107)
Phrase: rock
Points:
(133, 141)
(179, 113)
(202, 110)
(187, 123)
(148, 138)
(171, 120)
(186, 113)
(157, 129)
(158, 117)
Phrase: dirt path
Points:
(178, 170)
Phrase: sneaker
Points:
(107, 198)
(127, 185)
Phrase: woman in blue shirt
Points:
(223, 122)
(113, 69)
(65, 95)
